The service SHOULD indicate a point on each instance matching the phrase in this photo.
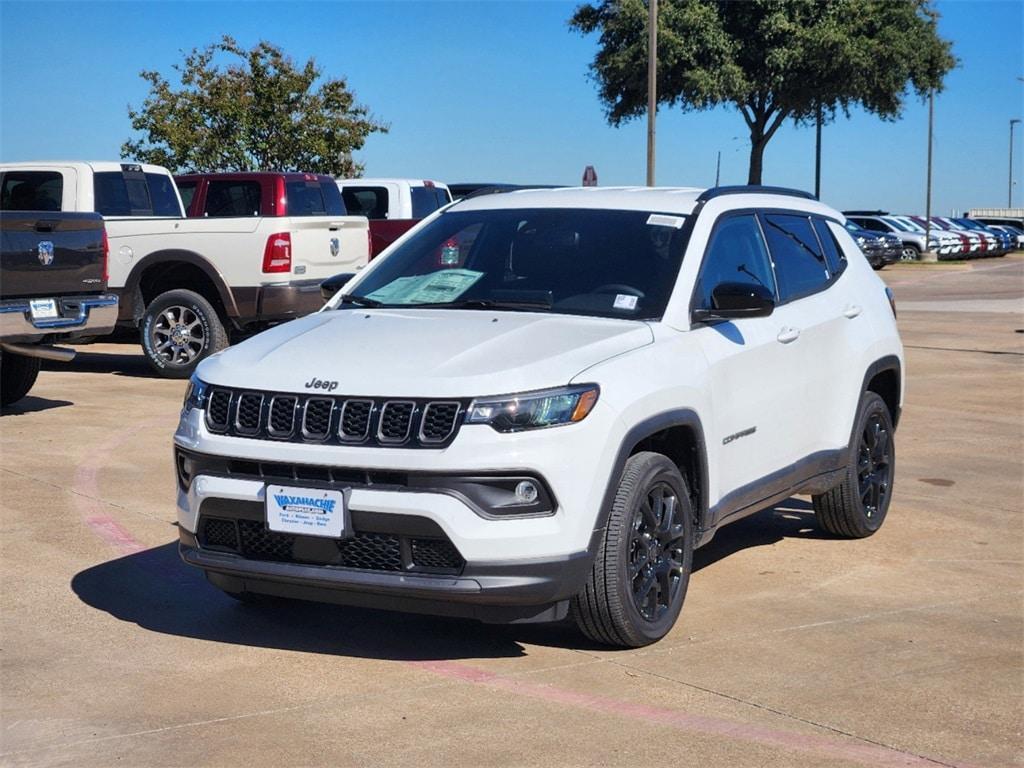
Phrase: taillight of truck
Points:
(277, 256)
(106, 257)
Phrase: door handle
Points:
(852, 311)
(788, 334)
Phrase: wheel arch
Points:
(884, 377)
(177, 267)
(679, 435)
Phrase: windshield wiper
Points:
(480, 304)
(363, 301)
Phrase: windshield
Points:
(897, 223)
(604, 263)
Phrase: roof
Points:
(667, 199)
(96, 166)
(381, 180)
(255, 175)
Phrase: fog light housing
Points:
(526, 492)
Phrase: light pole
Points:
(817, 154)
(652, 84)
(1009, 195)
(928, 193)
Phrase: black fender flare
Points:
(887, 363)
(131, 294)
(678, 417)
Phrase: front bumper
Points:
(93, 315)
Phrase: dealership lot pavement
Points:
(905, 649)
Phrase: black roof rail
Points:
(865, 213)
(752, 189)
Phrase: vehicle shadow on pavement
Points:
(127, 364)
(31, 404)
(156, 591)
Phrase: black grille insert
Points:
(282, 416)
(371, 552)
(218, 532)
(438, 421)
(395, 421)
(438, 554)
(355, 419)
(217, 412)
(316, 418)
(250, 408)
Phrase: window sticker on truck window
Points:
(624, 301)
(661, 220)
(434, 288)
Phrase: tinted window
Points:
(875, 226)
(605, 263)
(834, 255)
(111, 194)
(305, 199)
(800, 265)
(233, 198)
(426, 200)
(332, 197)
(31, 191)
(371, 202)
(736, 253)
(162, 194)
(187, 190)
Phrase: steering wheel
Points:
(628, 290)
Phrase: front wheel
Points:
(910, 253)
(179, 329)
(641, 571)
(856, 508)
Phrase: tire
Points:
(17, 375)
(856, 508)
(608, 609)
(910, 253)
(179, 329)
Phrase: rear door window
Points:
(736, 253)
(111, 194)
(31, 191)
(162, 195)
(800, 265)
(426, 200)
(305, 198)
(371, 202)
(187, 190)
(232, 198)
(332, 198)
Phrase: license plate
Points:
(306, 511)
(43, 309)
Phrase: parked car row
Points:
(949, 238)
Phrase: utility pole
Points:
(718, 168)
(1009, 196)
(652, 84)
(928, 194)
(817, 156)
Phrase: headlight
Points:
(195, 395)
(534, 410)
(860, 240)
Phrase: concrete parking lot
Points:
(794, 649)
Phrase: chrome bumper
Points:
(79, 316)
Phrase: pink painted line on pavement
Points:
(108, 529)
(822, 746)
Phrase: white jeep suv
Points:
(543, 401)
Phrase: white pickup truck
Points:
(186, 284)
(393, 206)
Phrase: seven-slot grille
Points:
(338, 420)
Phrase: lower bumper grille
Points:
(366, 550)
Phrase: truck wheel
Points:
(179, 329)
(638, 581)
(17, 375)
(856, 507)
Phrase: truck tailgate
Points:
(323, 246)
(51, 254)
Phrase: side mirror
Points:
(734, 301)
(332, 285)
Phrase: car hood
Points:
(423, 353)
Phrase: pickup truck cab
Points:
(542, 401)
(393, 206)
(186, 284)
(53, 279)
(219, 195)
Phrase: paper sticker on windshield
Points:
(661, 220)
(434, 288)
(624, 301)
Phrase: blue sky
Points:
(498, 91)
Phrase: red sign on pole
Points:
(589, 176)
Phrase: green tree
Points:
(771, 59)
(260, 112)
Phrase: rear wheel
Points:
(857, 506)
(179, 329)
(641, 571)
(17, 375)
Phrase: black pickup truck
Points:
(53, 282)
